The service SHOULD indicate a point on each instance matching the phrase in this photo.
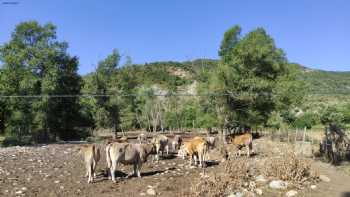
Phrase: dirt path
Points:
(339, 185)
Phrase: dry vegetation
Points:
(239, 174)
(291, 168)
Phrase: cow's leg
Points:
(248, 151)
(158, 150)
(135, 170)
(167, 149)
(139, 169)
(108, 160)
(113, 169)
(89, 168)
(87, 172)
(94, 168)
(191, 157)
(251, 147)
(200, 159)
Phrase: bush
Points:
(237, 173)
(332, 115)
(15, 141)
(307, 120)
(290, 168)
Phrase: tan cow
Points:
(244, 140)
(127, 154)
(91, 155)
(198, 146)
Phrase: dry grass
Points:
(290, 168)
(236, 175)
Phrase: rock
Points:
(259, 191)
(324, 178)
(260, 179)
(57, 182)
(61, 187)
(151, 192)
(291, 193)
(313, 186)
(237, 194)
(19, 192)
(142, 194)
(24, 188)
(278, 184)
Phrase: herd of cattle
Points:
(127, 153)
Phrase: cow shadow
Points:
(345, 194)
(169, 156)
(151, 173)
(211, 163)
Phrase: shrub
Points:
(290, 168)
(15, 141)
(237, 175)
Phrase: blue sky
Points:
(312, 32)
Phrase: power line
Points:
(151, 95)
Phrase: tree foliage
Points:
(252, 74)
(35, 63)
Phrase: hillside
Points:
(176, 75)
(326, 82)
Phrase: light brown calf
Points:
(91, 155)
(244, 140)
(198, 146)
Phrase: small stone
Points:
(24, 188)
(291, 193)
(142, 194)
(19, 192)
(313, 186)
(324, 178)
(61, 187)
(278, 184)
(151, 192)
(259, 191)
(260, 179)
(57, 181)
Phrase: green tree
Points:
(103, 109)
(35, 63)
(231, 38)
(247, 77)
